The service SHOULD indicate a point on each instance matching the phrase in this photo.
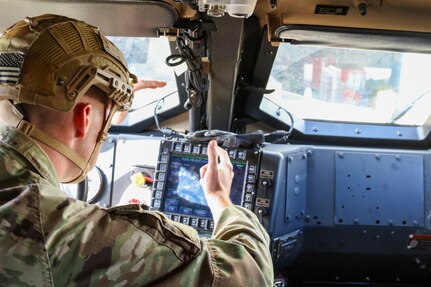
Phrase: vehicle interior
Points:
(323, 105)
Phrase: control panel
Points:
(178, 193)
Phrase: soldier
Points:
(61, 83)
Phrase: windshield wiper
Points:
(408, 108)
(152, 102)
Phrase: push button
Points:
(249, 187)
(162, 167)
(252, 169)
(194, 222)
(158, 194)
(185, 220)
(157, 203)
(176, 218)
(161, 176)
(178, 147)
(241, 154)
(196, 149)
(187, 148)
(164, 158)
(203, 223)
(250, 178)
(247, 197)
(160, 185)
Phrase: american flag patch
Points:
(10, 67)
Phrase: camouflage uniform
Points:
(47, 239)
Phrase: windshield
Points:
(349, 85)
(146, 59)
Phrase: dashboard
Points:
(334, 208)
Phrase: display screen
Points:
(184, 194)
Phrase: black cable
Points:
(167, 132)
(198, 78)
(280, 135)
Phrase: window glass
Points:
(350, 85)
(146, 59)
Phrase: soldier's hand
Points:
(216, 179)
(140, 85)
(148, 84)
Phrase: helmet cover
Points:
(52, 60)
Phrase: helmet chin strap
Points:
(83, 164)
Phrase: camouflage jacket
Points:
(48, 239)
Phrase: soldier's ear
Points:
(81, 119)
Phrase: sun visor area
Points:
(115, 18)
(355, 38)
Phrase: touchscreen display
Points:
(184, 194)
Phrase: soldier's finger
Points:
(203, 170)
(212, 155)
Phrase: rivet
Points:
(315, 129)
(358, 131)
(60, 82)
(399, 133)
(71, 96)
(33, 23)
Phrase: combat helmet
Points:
(52, 61)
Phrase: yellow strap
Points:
(33, 132)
